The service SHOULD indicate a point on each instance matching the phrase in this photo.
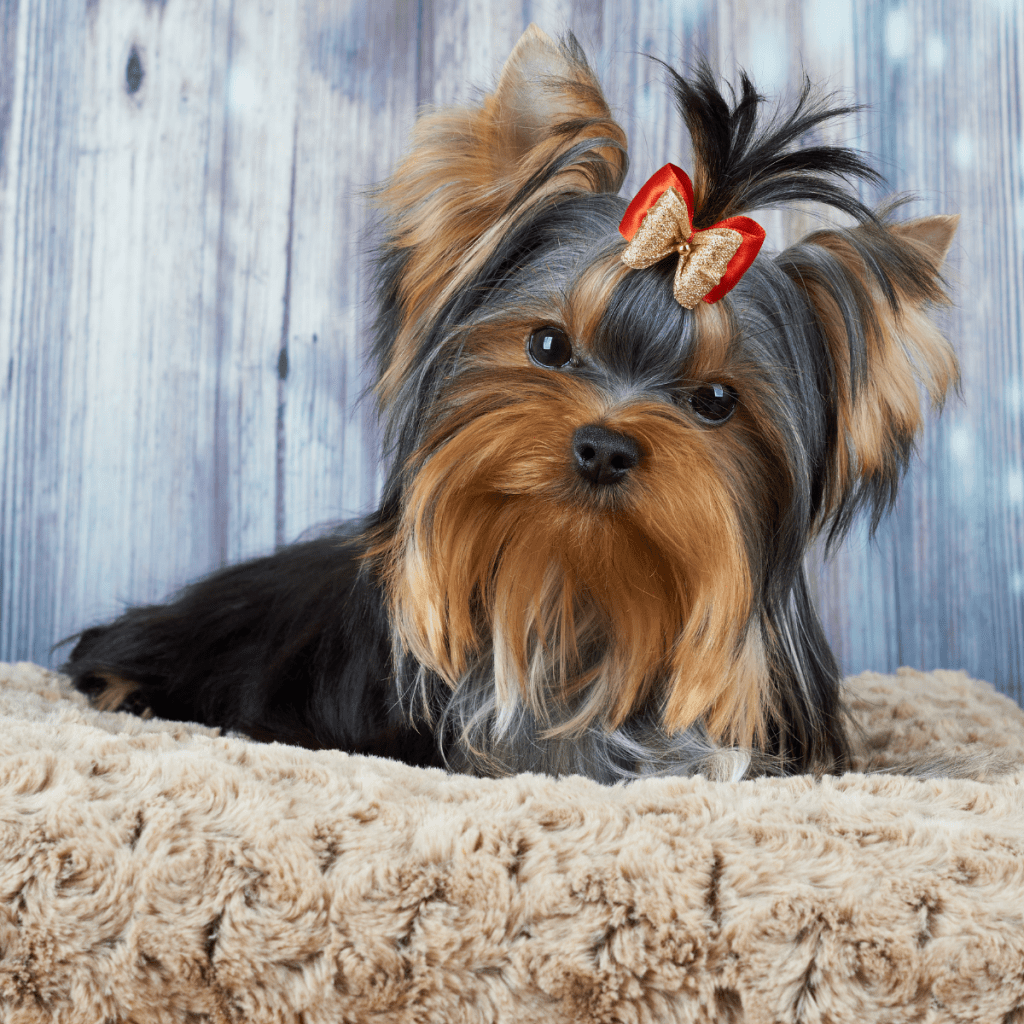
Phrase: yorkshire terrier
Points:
(615, 427)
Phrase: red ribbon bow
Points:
(659, 222)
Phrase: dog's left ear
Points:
(544, 132)
(933, 235)
(872, 289)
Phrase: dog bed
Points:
(152, 871)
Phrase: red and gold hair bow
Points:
(659, 222)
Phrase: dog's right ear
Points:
(547, 102)
(472, 171)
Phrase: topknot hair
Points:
(743, 161)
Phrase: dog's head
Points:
(600, 499)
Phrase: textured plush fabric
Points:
(156, 872)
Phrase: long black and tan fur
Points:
(589, 552)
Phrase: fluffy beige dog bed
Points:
(157, 872)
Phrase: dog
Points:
(614, 427)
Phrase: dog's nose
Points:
(603, 456)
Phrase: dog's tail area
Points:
(291, 647)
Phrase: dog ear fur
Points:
(872, 288)
(545, 131)
(546, 91)
(932, 234)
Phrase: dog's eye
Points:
(549, 346)
(713, 403)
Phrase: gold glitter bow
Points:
(659, 223)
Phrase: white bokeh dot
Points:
(963, 150)
(961, 445)
(244, 91)
(1015, 487)
(1014, 397)
(897, 33)
(935, 52)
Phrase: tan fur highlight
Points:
(591, 295)
(114, 693)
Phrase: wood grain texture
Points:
(184, 282)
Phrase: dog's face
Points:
(600, 499)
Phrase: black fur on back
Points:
(293, 647)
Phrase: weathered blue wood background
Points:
(182, 281)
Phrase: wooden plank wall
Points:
(183, 280)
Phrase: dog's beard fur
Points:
(582, 605)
